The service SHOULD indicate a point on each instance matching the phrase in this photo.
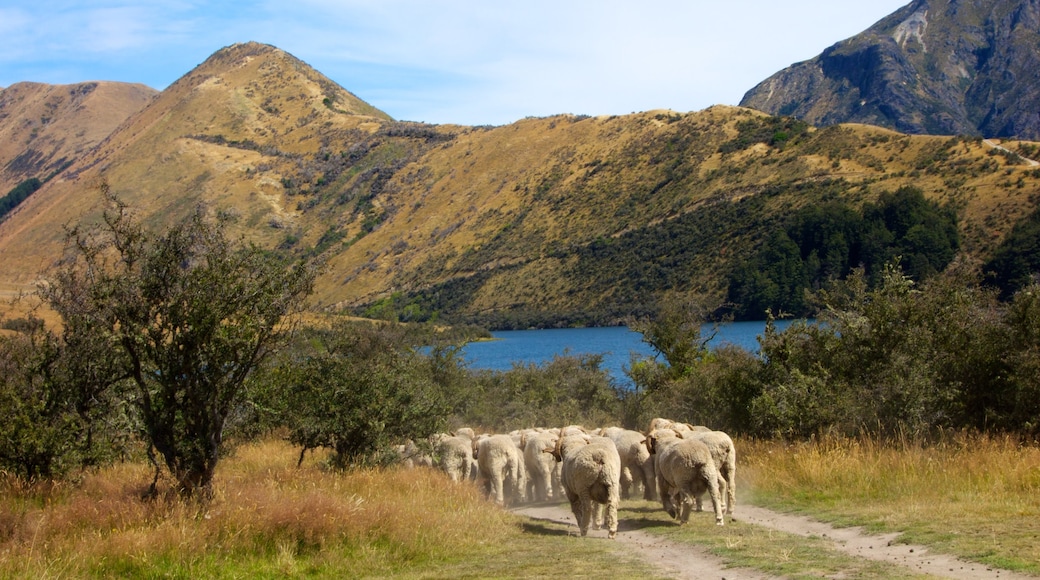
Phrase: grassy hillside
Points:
(43, 127)
(547, 220)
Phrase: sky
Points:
(467, 62)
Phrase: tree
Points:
(56, 416)
(675, 333)
(39, 432)
(186, 316)
(364, 389)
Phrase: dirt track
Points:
(682, 561)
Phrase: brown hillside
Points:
(43, 127)
(202, 139)
(563, 214)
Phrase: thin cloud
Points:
(449, 61)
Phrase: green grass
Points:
(967, 495)
(750, 546)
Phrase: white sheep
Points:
(637, 466)
(685, 470)
(591, 474)
(454, 456)
(466, 432)
(500, 464)
(411, 456)
(724, 453)
(540, 465)
(662, 423)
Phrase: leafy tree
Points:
(565, 390)
(183, 317)
(363, 390)
(1016, 263)
(921, 234)
(820, 244)
(674, 332)
(52, 424)
(37, 435)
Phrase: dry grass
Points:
(267, 517)
(970, 495)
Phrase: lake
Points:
(615, 343)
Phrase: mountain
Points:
(43, 127)
(940, 67)
(557, 220)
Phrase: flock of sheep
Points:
(593, 469)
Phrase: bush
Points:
(183, 318)
(361, 389)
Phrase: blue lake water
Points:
(616, 344)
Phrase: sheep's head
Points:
(651, 444)
(556, 450)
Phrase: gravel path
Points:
(683, 561)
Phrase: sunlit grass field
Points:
(269, 518)
(973, 496)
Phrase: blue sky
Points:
(448, 61)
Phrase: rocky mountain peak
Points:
(933, 67)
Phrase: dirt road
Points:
(682, 561)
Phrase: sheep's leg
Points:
(683, 501)
(723, 496)
(498, 488)
(627, 482)
(597, 515)
(731, 491)
(666, 495)
(716, 500)
(584, 514)
(612, 506)
(649, 481)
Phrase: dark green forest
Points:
(18, 194)
(826, 242)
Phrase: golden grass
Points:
(266, 517)
(970, 495)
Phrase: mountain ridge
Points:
(581, 218)
(43, 127)
(931, 67)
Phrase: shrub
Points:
(184, 317)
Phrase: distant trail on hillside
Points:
(995, 145)
(684, 561)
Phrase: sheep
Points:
(500, 463)
(591, 474)
(685, 470)
(637, 466)
(662, 423)
(455, 456)
(724, 453)
(469, 434)
(411, 456)
(541, 466)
